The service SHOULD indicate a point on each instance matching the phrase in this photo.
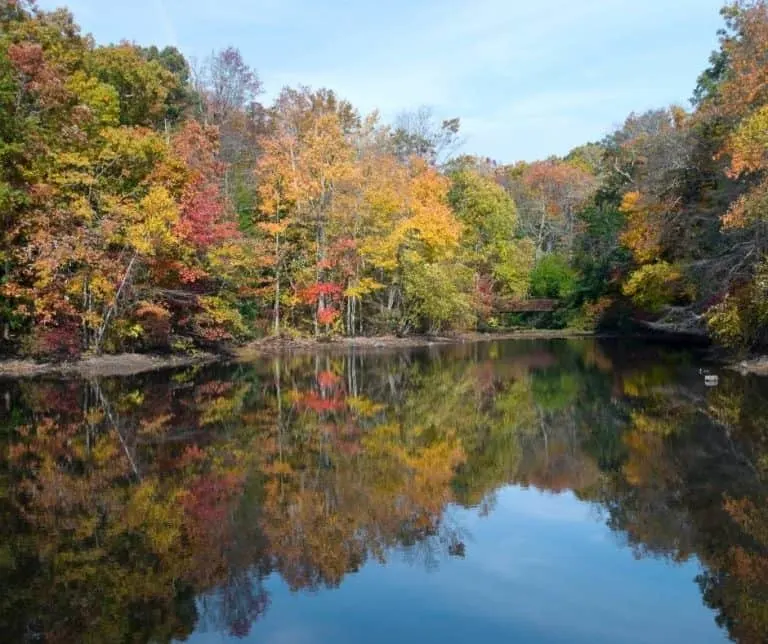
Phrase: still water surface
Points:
(523, 491)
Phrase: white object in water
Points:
(711, 381)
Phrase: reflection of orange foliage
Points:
(751, 565)
(334, 481)
(643, 464)
(207, 502)
(313, 401)
(327, 379)
(594, 355)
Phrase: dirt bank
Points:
(125, 364)
(277, 346)
(757, 366)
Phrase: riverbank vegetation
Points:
(148, 204)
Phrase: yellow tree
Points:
(308, 158)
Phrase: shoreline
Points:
(130, 364)
(269, 347)
(757, 366)
(120, 364)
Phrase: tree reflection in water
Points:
(145, 508)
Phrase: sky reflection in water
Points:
(560, 491)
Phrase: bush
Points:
(654, 286)
(155, 323)
(438, 298)
(219, 321)
(592, 314)
(740, 321)
(60, 341)
(553, 277)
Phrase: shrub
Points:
(438, 297)
(155, 322)
(553, 277)
(654, 286)
(740, 320)
(592, 314)
(61, 341)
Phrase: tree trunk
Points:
(540, 240)
(113, 307)
(277, 284)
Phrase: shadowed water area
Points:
(523, 491)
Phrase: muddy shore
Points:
(127, 364)
(124, 364)
(757, 366)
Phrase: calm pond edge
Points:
(128, 364)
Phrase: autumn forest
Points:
(153, 204)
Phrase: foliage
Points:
(552, 276)
(490, 239)
(653, 286)
(147, 203)
(740, 320)
(437, 297)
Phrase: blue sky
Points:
(528, 79)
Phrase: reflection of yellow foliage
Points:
(643, 464)
(224, 407)
(157, 516)
(363, 406)
(648, 424)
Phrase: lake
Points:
(579, 490)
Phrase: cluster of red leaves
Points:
(191, 456)
(313, 293)
(203, 214)
(60, 341)
(213, 334)
(37, 76)
(204, 218)
(327, 315)
(214, 389)
(484, 297)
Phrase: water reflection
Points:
(144, 509)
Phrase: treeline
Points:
(150, 204)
